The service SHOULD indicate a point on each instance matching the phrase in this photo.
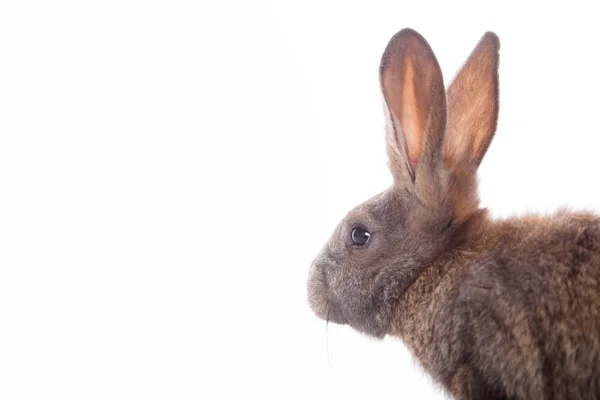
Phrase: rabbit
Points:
(491, 309)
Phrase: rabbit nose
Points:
(317, 272)
(324, 259)
(314, 269)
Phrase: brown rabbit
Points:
(492, 309)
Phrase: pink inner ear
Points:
(410, 119)
(473, 105)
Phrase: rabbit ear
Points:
(413, 89)
(473, 106)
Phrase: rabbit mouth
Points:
(319, 297)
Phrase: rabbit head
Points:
(435, 141)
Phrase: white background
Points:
(168, 170)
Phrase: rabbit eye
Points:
(360, 236)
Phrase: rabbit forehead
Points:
(383, 209)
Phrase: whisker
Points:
(327, 336)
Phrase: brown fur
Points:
(505, 309)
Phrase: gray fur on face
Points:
(348, 282)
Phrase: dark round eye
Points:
(360, 236)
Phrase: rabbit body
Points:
(492, 309)
(514, 313)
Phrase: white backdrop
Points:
(168, 170)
